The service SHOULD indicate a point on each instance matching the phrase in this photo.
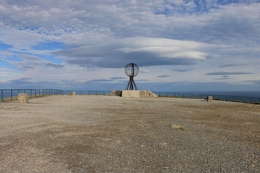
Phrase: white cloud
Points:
(141, 50)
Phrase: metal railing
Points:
(12, 94)
(149, 88)
(243, 99)
(87, 92)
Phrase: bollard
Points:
(23, 98)
(73, 93)
(209, 98)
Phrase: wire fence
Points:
(12, 94)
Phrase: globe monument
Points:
(131, 70)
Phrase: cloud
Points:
(54, 65)
(80, 41)
(229, 65)
(227, 73)
(163, 76)
(257, 82)
(182, 70)
(144, 71)
(141, 50)
(116, 78)
(225, 77)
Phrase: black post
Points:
(2, 95)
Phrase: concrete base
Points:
(23, 98)
(209, 98)
(137, 94)
(73, 93)
(131, 93)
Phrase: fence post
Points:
(2, 95)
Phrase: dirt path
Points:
(114, 134)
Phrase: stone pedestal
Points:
(23, 98)
(131, 93)
(73, 93)
(209, 98)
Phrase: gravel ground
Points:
(114, 134)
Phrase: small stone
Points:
(163, 144)
(175, 126)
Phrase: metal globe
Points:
(131, 70)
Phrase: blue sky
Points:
(179, 45)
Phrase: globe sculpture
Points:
(131, 70)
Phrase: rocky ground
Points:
(114, 134)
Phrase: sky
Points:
(179, 45)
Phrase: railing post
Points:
(2, 95)
(11, 94)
